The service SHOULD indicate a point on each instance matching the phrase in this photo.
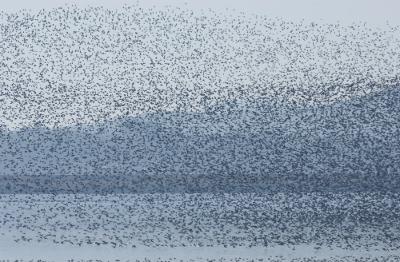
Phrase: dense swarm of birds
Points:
(161, 100)
(233, 108)
(348, 221)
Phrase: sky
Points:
(377, 12)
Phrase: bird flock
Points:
(171, 127)
(70, 65)
(348, 222)
(174, 100)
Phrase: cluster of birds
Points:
(351, 146)
(235, 107)
(71, 65)
(174, 100)
(347, 221)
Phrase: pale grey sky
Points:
(347, 11)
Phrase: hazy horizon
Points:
(373, 12)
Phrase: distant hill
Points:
(345, 146)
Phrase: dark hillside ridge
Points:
(347, 146)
